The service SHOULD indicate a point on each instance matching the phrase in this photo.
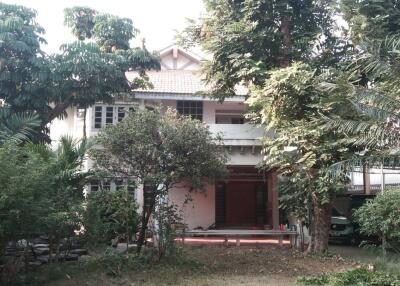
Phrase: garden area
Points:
(322, 81)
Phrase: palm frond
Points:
(16, 127)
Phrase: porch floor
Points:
(216, 240)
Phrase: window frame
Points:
(192, 108)
(109, 114)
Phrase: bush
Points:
(166, 219)
(381, 217)
(110, 215)
(115, 263)
(356, 277)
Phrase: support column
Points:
(275, 199)
(382, 178)
(366, 179)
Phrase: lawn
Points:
(205, 265)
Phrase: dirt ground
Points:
(218, 265)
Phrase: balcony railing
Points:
(239, 134)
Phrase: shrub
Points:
(381, 217)
(166, 219)
(110, 215)
(356, 277)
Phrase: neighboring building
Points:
(247, 198)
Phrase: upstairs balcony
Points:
(240, 134)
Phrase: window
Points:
(229, 117)
(94, 186)
(193, 109)
(106, 115)
(105, 185)
(80, 112)
(98, 116)
(109, 115)
(121, 113)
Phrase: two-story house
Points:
(247, 198)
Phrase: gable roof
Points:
(189, 54)
(178, 79)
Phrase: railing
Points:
(239, 134)
(374, 188)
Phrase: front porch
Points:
(246, 199)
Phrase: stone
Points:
(22, 243)
(41, 250)
(40, 245)
(35, 263)
(84, 258)
(44, 237)
(121, 247)
(75, 244)
(72, 257)
(39, 240)
(79, 251)
(114, 242)
(43, 259)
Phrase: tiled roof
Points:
(177, 81)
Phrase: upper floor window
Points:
(229, 117)
(193, 109)
(111, 114)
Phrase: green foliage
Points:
(249, 38)
(81, 21)
(113, 33)
(356, 277)
(16, 127)
(41, 191)
(373, 92)
(371, 18)
(25, 190)
(292, 103)
(32, 82)
(115, 263)
(167, 219)
(381, 216)
(110, 215)
(160, 149)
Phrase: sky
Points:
(157, 20)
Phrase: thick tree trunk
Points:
(321, 225)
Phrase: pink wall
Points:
(200, 211)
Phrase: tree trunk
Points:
(146, 213)
(286, 41)
(84, 124)
(321, 225)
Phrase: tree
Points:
(295, 105)
(159, 150)
(249, 38)
(31, 81)
(41, 192)
(374, 95)
(370, 19)
(255, 43)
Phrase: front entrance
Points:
(241, 202)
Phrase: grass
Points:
(192, 265)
